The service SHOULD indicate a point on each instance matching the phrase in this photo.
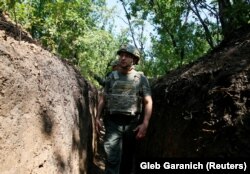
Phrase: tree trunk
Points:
(225, 18)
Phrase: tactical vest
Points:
(124, 97)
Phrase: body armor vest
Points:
(124, 96)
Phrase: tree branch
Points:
(129, 23)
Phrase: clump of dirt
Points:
(14, 30)
(203, 109)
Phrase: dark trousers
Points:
(120, 144)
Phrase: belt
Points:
(123, 113)
(124, 119)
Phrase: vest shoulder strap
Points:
(115, 75)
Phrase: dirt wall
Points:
(203, 109)
(45, 112)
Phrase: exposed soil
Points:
(46, 109)
(203, 109)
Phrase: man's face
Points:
(125, 60)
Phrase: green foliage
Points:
(70, 29)
(180, 38)
(235, 14)
(96, 51)
(7, 4)
(81, 31)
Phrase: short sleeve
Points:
(146, 90)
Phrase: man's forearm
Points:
(147, 109)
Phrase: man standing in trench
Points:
(114, 65)
(128, 105)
